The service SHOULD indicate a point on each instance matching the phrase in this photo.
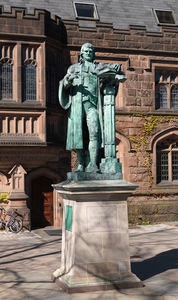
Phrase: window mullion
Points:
(170, 166)
(17, 73)
(169, 95)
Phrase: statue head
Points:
(87, 52)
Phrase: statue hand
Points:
(68, 80)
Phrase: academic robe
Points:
(71, 98)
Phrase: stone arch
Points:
(46, 172)
(162, 135)
(171, 132)
(39, 187)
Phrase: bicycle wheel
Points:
(16, 226)
(2, 225)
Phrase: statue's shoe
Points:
(91, 168)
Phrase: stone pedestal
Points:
(95, 242)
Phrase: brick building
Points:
(38, 41)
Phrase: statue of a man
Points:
(80, 92)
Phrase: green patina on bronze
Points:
(68, 218)
(88, 91)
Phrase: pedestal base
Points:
(69, 285)
(95, 242)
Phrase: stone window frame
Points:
(167, 163)
(166, 81)
(15, 55)
(7, 56)
(31, 54)
(6, 79)
(29, 88)
(164, 142)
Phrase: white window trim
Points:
(164, 24)
(96, 16)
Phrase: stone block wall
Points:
(39, 23)
(145, 210)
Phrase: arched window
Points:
(29, 80)
(6, 80)
(167, 161)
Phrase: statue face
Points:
(88, 53)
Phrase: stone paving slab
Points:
(28, 259)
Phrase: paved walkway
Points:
(28, 259)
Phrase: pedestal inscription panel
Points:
(102, 219)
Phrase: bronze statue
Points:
(81, 92)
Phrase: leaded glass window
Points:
(161, 96)
(167, 162)
(6, 80)
(29, 72)
(174, 96)
(162, 166)
(174, 165)
(29, 80)
(166, 90)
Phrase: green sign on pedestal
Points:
(68, 218)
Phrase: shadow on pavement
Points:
(158, 264)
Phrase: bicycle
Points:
(10, 220)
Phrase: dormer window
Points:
(85, 10)
(164, 17)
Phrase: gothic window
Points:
(29, 74)
(167, 162)
(6, 80)
(6, 72)
(166, 90)
(29, 80)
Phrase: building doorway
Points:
(41, 202)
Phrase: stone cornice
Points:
(39, 24)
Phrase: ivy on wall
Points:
(140, 142)
(3, 197)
